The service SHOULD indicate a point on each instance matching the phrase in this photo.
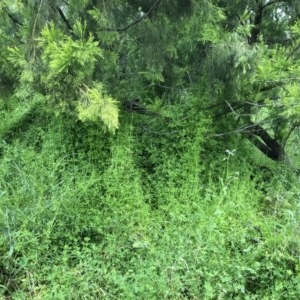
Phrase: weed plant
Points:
(139, 216)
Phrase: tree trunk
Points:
(261, 139)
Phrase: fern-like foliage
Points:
(63, 54)
(16, 58)
(69, 64)
(96, 105)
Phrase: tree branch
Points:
(244, 129)
(272, 86)
(135, 106)
(293, 127)
(270, 3)
(261, 146)
(62, 15)
(258, 20)
(136, 21)
(261, 139)
(269, 146)
(293, 51)
(233, 110)
(256, 24)
(14, 19)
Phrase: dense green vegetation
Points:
(149, 149)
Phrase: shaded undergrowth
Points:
(135, 216)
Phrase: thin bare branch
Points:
(293, 51)
(143, 16)
(293, 127)
(235, 113)
(34, 26)
(246, 128)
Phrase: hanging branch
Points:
(36, 19)
(143, 16)
(34, 28)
